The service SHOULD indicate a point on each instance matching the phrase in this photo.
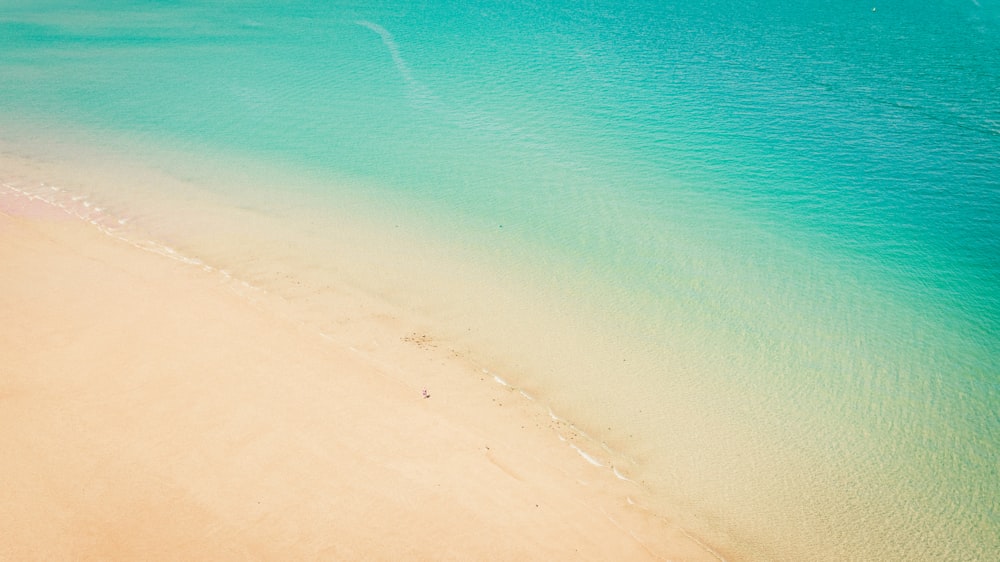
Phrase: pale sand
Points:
(149, 410)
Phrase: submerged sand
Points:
(155, 409)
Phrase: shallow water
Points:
(753, 247)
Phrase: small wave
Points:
(499, 380)
(621, 476)
(81, 207)
(424, 98)
(390, 44)
(587, 457)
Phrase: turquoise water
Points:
(763, 238)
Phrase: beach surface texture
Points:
(152, 411)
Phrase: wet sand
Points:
(152, 409)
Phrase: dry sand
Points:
(151, 409)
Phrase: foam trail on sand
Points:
(587, 457)
(499, 380)
(621, 476)
(79, 206)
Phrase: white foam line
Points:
(500, 380)
(92, 214)
(526, 395)
(390, 44)
(587, 457)
(621, 476)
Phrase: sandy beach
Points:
(153, 409)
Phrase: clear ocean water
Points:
(753, 247)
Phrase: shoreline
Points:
(145, 412)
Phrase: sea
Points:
(750, 248)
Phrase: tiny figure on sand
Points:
(426, 394)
